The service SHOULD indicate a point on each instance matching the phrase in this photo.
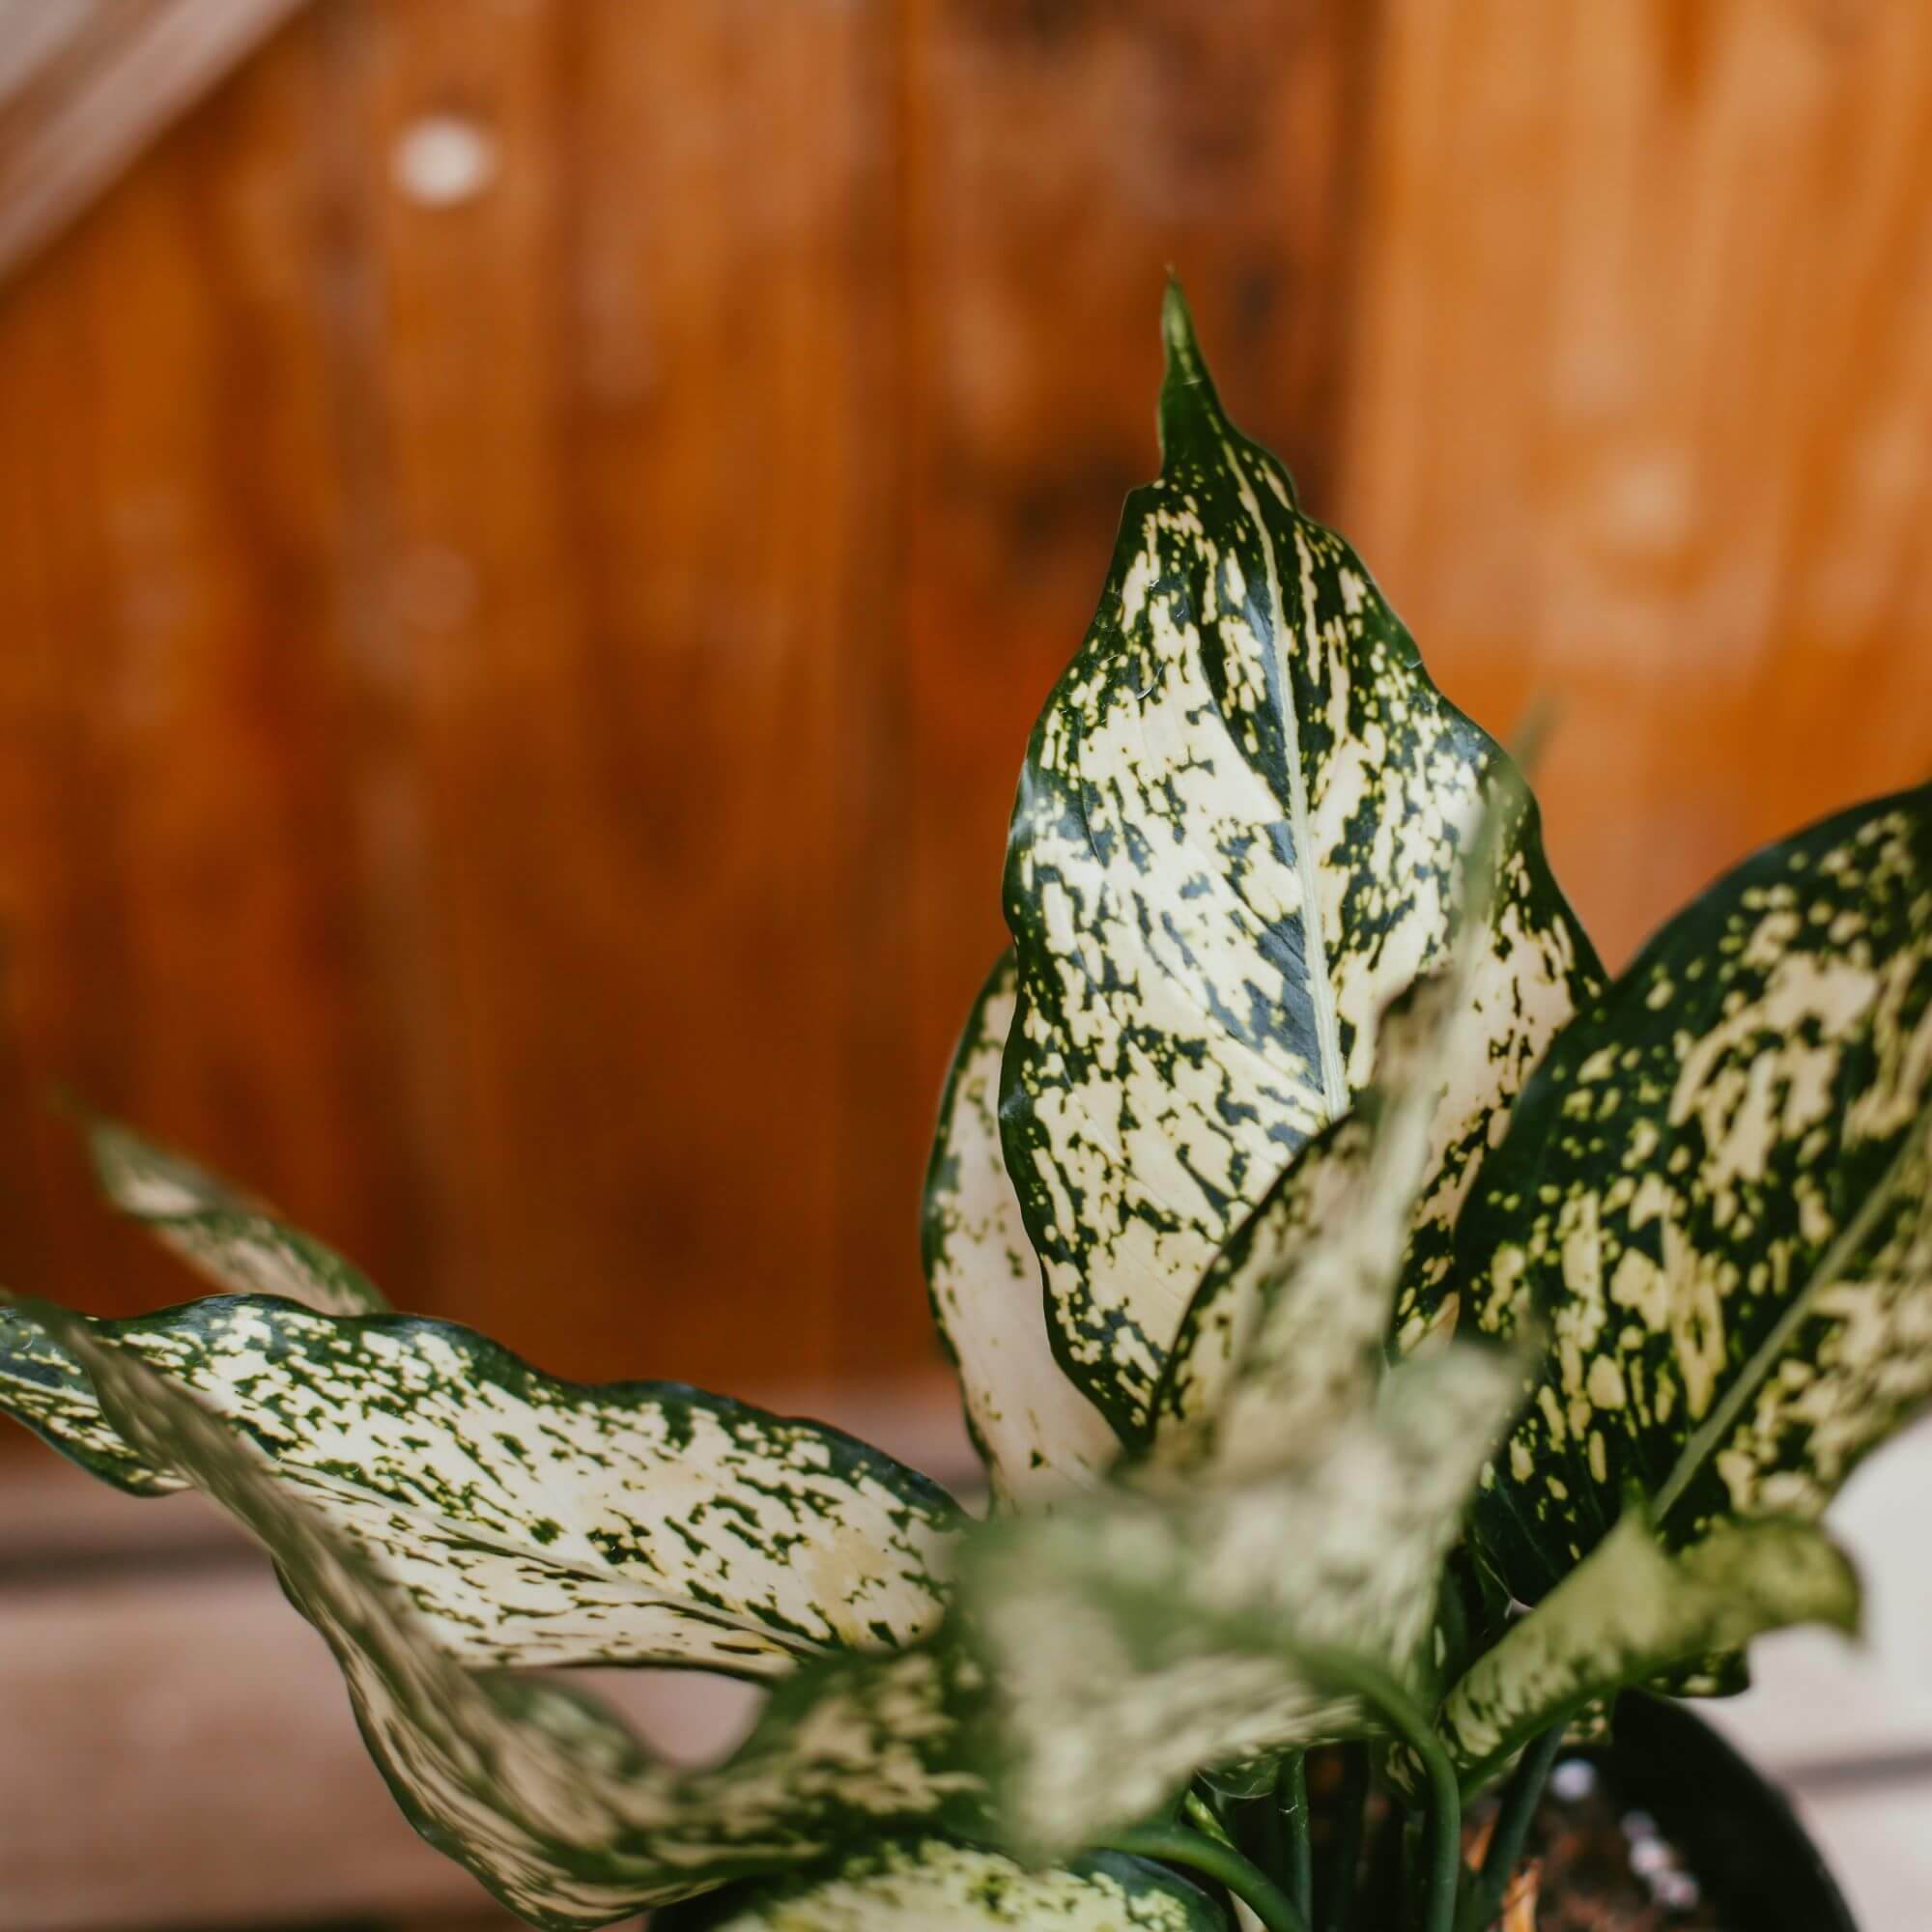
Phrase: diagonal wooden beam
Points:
(86, 84)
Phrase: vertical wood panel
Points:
(472, 861)
(1644, 408)
(183, 942)
(627, 502)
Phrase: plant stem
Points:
(1351, 1821)
(1291, 1812)
(1375, 1687)
(1445, 1861)
(1513, 1822)
(1177, 1845)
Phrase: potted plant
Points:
(1388, 1337)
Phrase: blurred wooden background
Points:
(531, 533)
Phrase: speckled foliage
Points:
(1142, 1638)
(1038, 1434)
(1630, 1614)
(1262, 1244)
(938, 1886)
(540, 1792)
(532, 1522)
(236, 1244)
(1238, 835)
(1715, 1192)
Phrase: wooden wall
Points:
(532, 532)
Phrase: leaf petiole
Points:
(1290, 1800)
(1179, 1845)
(1506, 1842)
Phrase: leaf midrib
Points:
(1831, 1265)
(1315, 947)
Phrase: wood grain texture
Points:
(534, 532)
(1643, 414)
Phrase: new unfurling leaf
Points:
(1137, 1640)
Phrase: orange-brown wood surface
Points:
(534, 530)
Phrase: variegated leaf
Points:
(1265, 1262)
(940, 1884)
(240, 1245)
(1137, 1641)
(1040, 1437)
(1629, 1613)
(45, 1389)
(539, 1790)
(1237, 837)
(1285, 1336)
(529, 1521)
(1715, 1186)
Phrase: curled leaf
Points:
(540, 1791)
(531, 1521)
(1631, 1613)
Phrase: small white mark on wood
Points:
(444, 159)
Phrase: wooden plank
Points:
(1060, 158)
(179, 1752)
(1642, 401)
(178, 876)
(85, 86)
(446, 632)
(621, 380)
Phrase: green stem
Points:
(1350, 1822)
(1512, 1832)
(1177, 1845)
(1375, 1687)
(1445, 1862)
(1291, 1809)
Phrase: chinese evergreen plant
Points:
(1383, 1330)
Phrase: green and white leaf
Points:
(1238, 836)
(240, 1245)
(939, 1884)
(1629, 1612)
(1285, 1337)
(1205, 1400)
(539, 1790)
(529, 1521)
(1039, 1436)
(42, 1387)
(1717, 1188)
(1135, 1641)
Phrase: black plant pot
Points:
(1738, 1834)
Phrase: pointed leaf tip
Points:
(1176, 328)
(1186, 388)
